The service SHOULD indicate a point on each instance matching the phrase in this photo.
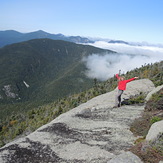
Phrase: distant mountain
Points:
(118, 41)
(126, 42)
(10, 36)
(43, 69)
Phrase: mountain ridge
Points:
(35, 64)
(11, 36)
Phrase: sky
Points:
(128, 20)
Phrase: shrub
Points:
(13, 122)
(139, 99)
(155, 119)
(156, 101)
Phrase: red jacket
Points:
(122, 84)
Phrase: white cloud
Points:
(129, 57)
(128, 49)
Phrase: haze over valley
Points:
(130, 57)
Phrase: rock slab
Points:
(93, 132)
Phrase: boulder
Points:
(155, 131)
(126, 157)
(138, 86)
(155, 90)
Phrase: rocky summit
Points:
(93, 132)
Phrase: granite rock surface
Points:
(93, 132)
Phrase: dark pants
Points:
(118, 98)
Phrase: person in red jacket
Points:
(121, 87)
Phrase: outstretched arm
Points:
(117, 76)
(131, 79)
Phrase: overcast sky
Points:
(128, 20)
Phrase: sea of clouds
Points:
(128, 57)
